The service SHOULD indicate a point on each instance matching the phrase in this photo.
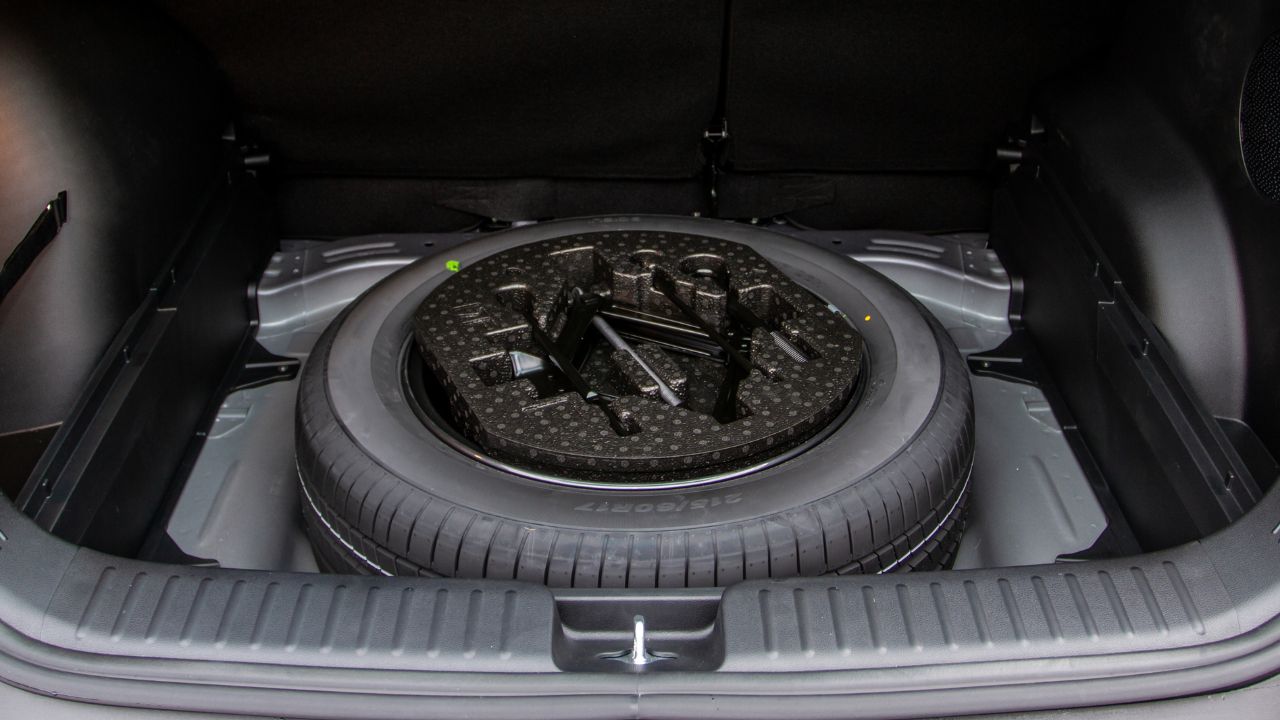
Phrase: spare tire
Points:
(394, 483)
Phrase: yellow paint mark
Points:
(867, 319)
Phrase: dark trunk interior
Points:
(163, 163)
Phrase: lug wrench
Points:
(668, 395)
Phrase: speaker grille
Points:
(1260, 119)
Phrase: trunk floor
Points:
(1031, 500)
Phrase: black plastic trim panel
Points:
(111, 605)
(1169, 463)
(85, 625)
(128, 608)
(923, 618)
(107, 467)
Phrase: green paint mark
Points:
(453, 265)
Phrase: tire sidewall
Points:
(361, 367)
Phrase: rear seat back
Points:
(888, 85)
(470, 89)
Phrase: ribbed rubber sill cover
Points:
(107, 605)
(80, 624)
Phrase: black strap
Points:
(42, 233)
